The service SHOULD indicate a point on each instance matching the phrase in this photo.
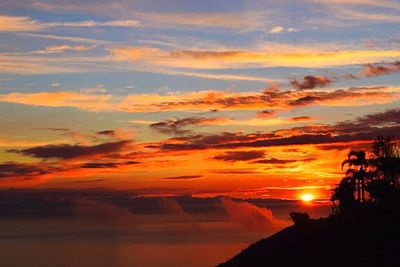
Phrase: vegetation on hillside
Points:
(372, 180)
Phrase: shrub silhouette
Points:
(344, 194)
(299, 218)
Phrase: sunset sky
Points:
(247, 99)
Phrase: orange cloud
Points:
(60, 99)
(240, 58)
(64, 48)
(10, 24)
(208, 100)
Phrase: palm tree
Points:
(357, 162)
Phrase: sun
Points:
(307, 197)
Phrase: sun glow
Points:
(307, 197)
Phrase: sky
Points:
(146, 133)
(245, 99)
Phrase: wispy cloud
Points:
(243, 21)
(61, 99)
(373, 3)
(242, 58)
(208, 100)
(350, 14)
(64, 48)
(11, 24)
(15, 24)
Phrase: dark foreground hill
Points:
(335, 241)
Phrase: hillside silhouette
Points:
(363, 229)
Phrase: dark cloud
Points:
(13, 169)
(305, 100)
(219, 101)
(302, 118)
(106, 133)
(282, 161)
(66, 151)
(266, 114)
(275, 161)
(385, 123)
(235, 171)
(32, 170)
(369, 70)
(101, 165)
(337, 96)
(86, 181)
(388, 117)
(345, 146)
(177, 126)
(372, 70)
(200, 141)
(310, 82)
(276, 99)
(183, 177)
(363, 128)
(348, 76)
(301, 139)
(55, 129)
(240, 155)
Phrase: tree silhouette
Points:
(385, 184)
(378, 175)
(344, 194)
(386, 159)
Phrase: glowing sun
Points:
(307, 197)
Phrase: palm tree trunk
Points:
(358, 190)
